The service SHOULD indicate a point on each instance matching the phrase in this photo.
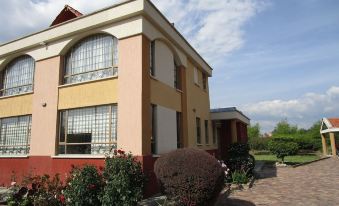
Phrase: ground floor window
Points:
(207, 138)
(198, 128)
(91, 130)
(154, 129)
(15, 133)
(179, 130)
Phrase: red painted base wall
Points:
(14, 169)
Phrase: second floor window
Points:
(94, 57)
(17, 78)
(204, 81)
(15, 133)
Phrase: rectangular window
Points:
(91, 130)
(207, 138)
(198, 132)
(177, 80)
(152, 58)
(204, 81)
(154, 128)
(179, 130)
(196, 75)
(214, 133)
(15, 134)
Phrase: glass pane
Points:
(92, 58)
(89, 125)
(18, 76)
(15, 135)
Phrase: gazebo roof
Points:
(329, 125)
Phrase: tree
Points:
(254, 131)
(283, 128)
(282, 148)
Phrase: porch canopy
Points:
(329, 126)
(229, 126)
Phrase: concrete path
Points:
(312, 184)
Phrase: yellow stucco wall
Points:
(164, 95)
(88, 94)
(198, 105)
(16, 105)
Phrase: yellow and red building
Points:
(122, 77)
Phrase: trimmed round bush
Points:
(189, 176)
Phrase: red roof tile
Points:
(334, 122)
(66, 14)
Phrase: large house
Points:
(122, 77)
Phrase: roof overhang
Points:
(229, 114)
(329, 127)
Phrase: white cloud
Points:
(214, 27)
(303, 111)
(22, 17)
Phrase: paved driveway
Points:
(313, 184)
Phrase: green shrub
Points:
(190, 176)
(282, 147)
(83, 186)
(306, 143)
(124, 180)
(239, 177)
(238, 150)
(240, 159)
(38, 191)
(259, 143)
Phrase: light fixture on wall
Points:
(44, 104)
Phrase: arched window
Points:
(18, 76)
(94, 57)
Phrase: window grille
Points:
(204, 81)
(196, 75)
(152, 58)
(91, 130)
(177, 79)
(18, 76)
(15, 133)
(95, 57)
(198, 132)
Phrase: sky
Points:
(274, 60)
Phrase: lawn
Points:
(296, 159)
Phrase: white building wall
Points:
(166, 130)
(164, 63)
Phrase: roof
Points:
(228, 113)
(66, 14)
(334, 122)
(329, 125)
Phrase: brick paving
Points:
(312, 184)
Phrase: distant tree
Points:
(314, 130)
(283, 128)
(254, 131)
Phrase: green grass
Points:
(296, 159)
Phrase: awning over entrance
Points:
(229, 126)
(329, 127)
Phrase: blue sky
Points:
(272, 59)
